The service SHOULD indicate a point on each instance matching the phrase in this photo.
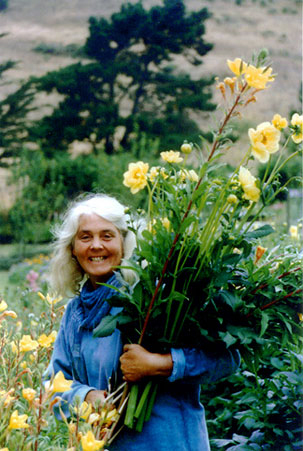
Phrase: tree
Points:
(13, 117)
(131, 84)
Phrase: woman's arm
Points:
(137, 363)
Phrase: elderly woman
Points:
(91, 242)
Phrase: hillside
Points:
(236, 30)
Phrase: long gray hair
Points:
(66, 274)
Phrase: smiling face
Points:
(97, 247)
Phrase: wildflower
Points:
(297, 125)
(84, 410)
(23, 365)
(186, 148)
(6, 396)
(3, 305)
(155, 171)
(232, 199)
(264, 141)
(60, 384)
(93, 418)
(189, 174)
(136, 176)
(300, 315)
(258, 77)
(237, 66)
(18, 421)
(27, 344)
(89, 443)
(46, 340)
(171, 156)
(248, 184)
(49, 299)
(9, 313)
(32, 277)
(293, 230)
(279, 122)
(259, 253)
(4, 449)
(14, 347)
(166, 223)
(230, 82)
(29, 394)
(221, 86)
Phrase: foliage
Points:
(132, 81)
(48, 184)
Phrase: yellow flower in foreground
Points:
(136, 176)
(89, 443)
(264, 141)
(27, 344)
(186, 148)
(293, 230)
(84, 410)
(248, 184)
(48, 298)
(3, 306)
(9, 313)
(60, 384)
(259, 253)
(171, 156)
(232, 199)
(297, 123)
(46, 340)
(258, 77)
(18, 421)
(237, 66)
(4, 449)
(279, 122)
(29, 394)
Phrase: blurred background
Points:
(87, 87)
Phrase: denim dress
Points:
(177, 421)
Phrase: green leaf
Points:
(264, 323)
(260, 232)
(109, 323)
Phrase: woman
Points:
(92, 241)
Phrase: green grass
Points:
(3, 281)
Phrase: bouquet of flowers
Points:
(198, 259)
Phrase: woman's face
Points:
(97, 247)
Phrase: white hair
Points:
(66, 274)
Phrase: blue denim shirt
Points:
(177, 421)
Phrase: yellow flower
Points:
(231, 83)
(186, 148)
(279, 122)
(49, 299)
(300, 315)
(89, 443)
(27, 344)
(155, 171)
(166, 223)
(171, 156)
(136, 176)
(293, 230)
(232, 199)
(9, 313)
(6, 396)
(93, 418)
(29, 394)
(264, 141)
(84, 410)
(18, 421)
(14, 347)
(297, 123)
(257, 77)
(23, 365)
(248, 184)
(4, 449)
(60, 384)
(237, 66)
(259, 253)
(46, 340)
(3, 306)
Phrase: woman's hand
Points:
(137, 363)
(96, 396)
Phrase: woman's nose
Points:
(97, 243)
